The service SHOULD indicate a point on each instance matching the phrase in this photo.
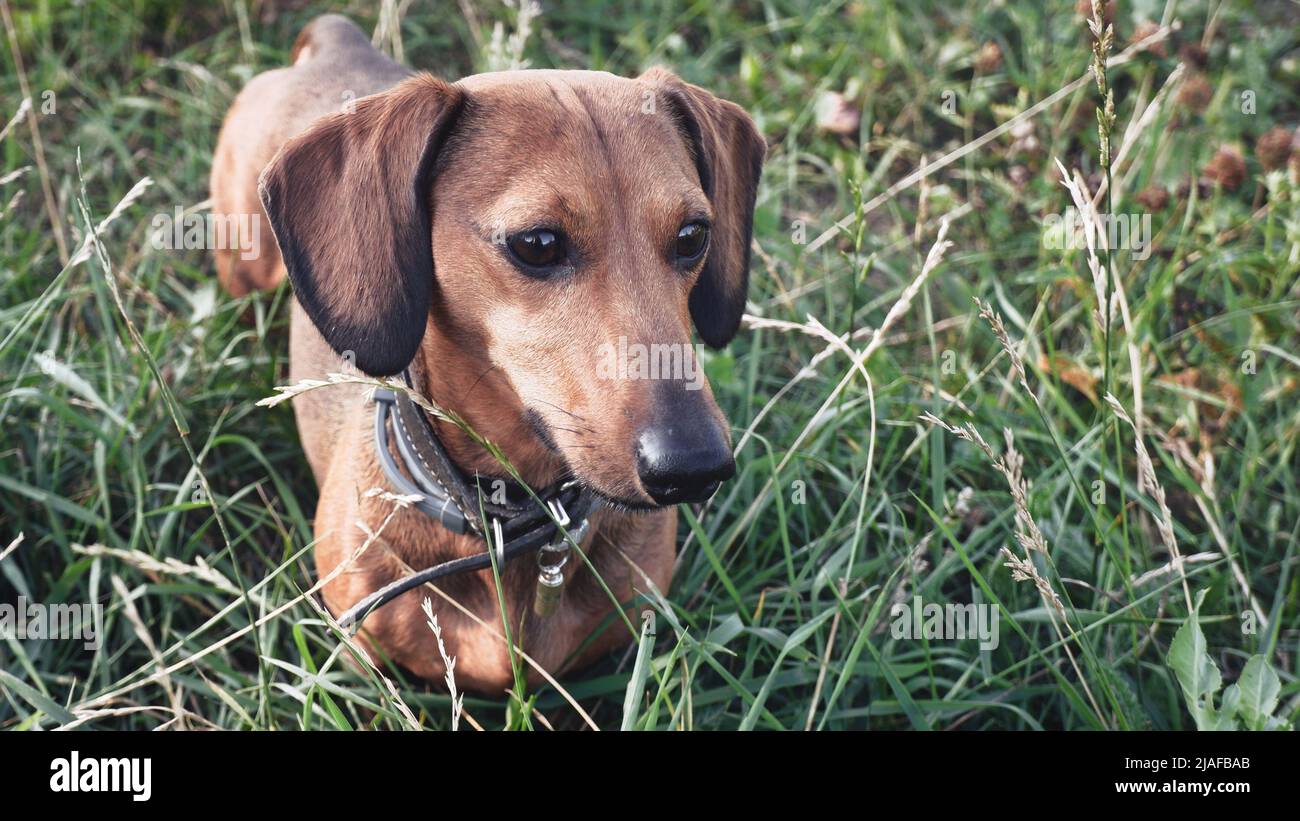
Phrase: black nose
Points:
(683, 463)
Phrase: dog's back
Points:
(333, 64)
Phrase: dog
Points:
(491, 237)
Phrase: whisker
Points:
(565, 411)
(574, 431)
(562, 410)
(476, 381)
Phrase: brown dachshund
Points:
(496, 237)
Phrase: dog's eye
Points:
(691, 241)
(538, 248)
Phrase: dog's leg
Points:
(249, 259)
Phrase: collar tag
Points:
(552, 558)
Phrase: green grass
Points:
(128, 381)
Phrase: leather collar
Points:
(511, 518)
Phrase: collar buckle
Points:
(444, 494)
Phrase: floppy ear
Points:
(348, 200)
(728, 152)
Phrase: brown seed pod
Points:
(1153, 198)
(1194, 54)
(1195, 92)
(1144, 30)
(1273, 147)
(1227, 168)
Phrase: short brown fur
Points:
(388, 211)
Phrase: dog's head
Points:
(566, 228)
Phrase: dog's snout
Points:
(683, 463)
